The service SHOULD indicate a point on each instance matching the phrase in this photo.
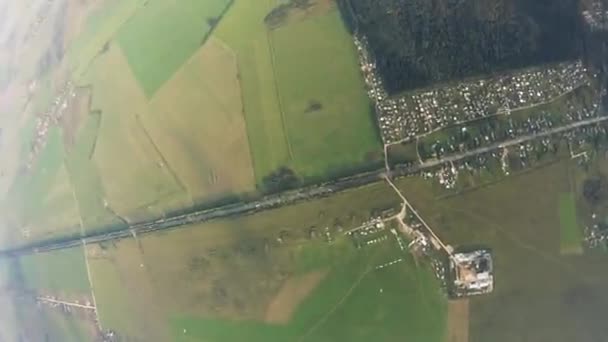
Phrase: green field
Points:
(163, 35)
(518, 219)
(196, 121)
(99, 28)
(354, 303)
(205, 277)
(58, 272)
(243, 29)
(283, 72)
(570, 232)
(341, 133)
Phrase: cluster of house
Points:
(596, 16)
(49, 118)
(403, 117)
(574, 110)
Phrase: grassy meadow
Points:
(163, 35)
(570, 231)
(327, 113)
(518, 218)
(214, 274)
(243, 30)
(196, 120)
(303, 110)
(56, 273)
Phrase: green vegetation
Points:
(196, 121)
(570, 232)
(354, 303)
(57, 272)
(100, 26)
(163, 35)
(229, 269)
(243, 29)
(326, 109)
(302, 110)
(518, 219)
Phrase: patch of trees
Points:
(282, 179)
(212, 21)
(313, 106)
(420, 42)
(595, 190)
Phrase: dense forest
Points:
(420, 42)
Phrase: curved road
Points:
(278, 200)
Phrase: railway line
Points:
(277, 200)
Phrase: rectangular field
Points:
(163, 35)
(60, 273)
(196, 121)
(570, 232)
(327, 113)
(244, 31)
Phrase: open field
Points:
(101, 25)
(61, 273)
(243, 29)
(41, 203)
(355, 303)
(163, 35)
(233, 270)
(518, 219)
(328, 116)
(570, 231)
(302, 110)
(196, 121)
(132, 170)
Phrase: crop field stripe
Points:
(244, 31)
(570, 233)
(278, 91)
(176, 179)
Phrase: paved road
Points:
(277, 200)
(516, 141)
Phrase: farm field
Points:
(570, 231)
(60, 273)
(212, 274)
(296, 102)
(163, 34)
(132, 171)
(518, 218)
(196, 121)
(328, 117)
(242, 28)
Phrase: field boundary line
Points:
(86, 257)
(278, 91)
(166, 164)
(323, 319)
(235, 58)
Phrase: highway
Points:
(277, 200)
